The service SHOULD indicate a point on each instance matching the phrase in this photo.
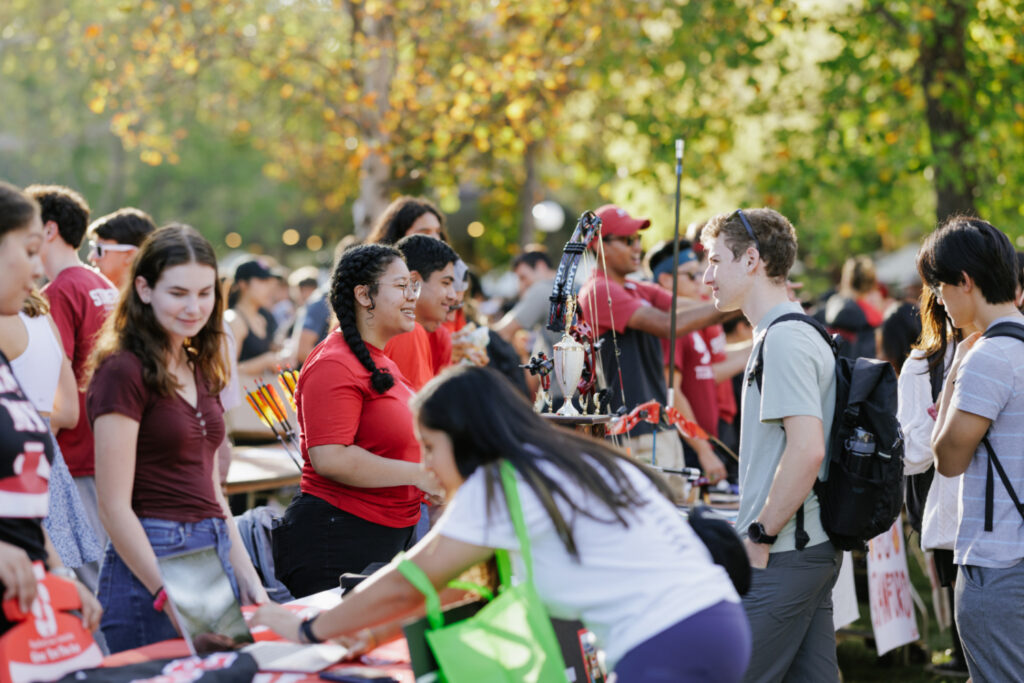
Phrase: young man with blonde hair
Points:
(785, 426)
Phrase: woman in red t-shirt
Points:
(157, 369)
(362, 482)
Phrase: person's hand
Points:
(91, 610)
(792, 288)
(358, 644)
(250, 588)
(962, 349)
(710, 463)
(17, 576)
(279, 620)
(428, 482)
(757, 552)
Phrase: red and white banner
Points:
(889, 589)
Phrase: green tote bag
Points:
(511, 639)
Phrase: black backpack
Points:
(863, 493)
(1017, 332)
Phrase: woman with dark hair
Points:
(608, 546)
(153, 402)
(250, 319)
(362, 482)
(26, 446)
(899, 331)
(408, 216)
(932, 499)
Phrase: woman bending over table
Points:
(608, 546)
(361, 481)
(157, 420)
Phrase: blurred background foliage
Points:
(282, 125)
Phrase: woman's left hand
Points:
(250, 589)
(282, 622)
(91, 610)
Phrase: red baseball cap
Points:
(615, 221)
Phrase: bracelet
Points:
(64, 573)
(306, 631)
(160, 600)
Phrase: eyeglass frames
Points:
(411, 289)
(750, 230)
(99, 249)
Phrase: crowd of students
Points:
(132, 364)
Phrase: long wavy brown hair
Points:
(936, 331)
(133, 326)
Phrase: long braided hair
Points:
(361, 265)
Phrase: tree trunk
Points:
(531, 193)
(948, 91)
(375, 169)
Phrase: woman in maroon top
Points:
(362, 481)
(157, 419)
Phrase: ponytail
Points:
(361, 265)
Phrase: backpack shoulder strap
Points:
(1005, 329)
(993, 461)
(757, 371)
(936, 374)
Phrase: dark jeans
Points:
(712, 645)
(129, 620)
(316, 543)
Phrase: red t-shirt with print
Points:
(80, 301)
(336, 405)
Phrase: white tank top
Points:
(38, 367)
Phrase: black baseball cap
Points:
(253, 269)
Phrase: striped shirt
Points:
(990, 383)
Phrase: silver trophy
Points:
(569, 358)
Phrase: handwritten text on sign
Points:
(892, 604)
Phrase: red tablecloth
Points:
(392, 657)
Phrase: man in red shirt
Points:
(700, 357)
(80, 300)
(640, 315)
(419, 355)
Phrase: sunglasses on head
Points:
(750, 231)
(101, 249)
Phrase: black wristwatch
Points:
(306, 632)
(757, 534)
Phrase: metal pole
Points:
(675, 279)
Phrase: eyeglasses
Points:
(631, 241)
(99, 249)
(750, 230)
(410, 289)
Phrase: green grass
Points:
(860, 663)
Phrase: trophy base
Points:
(568, 410)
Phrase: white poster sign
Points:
(845, 609)
(892, 604)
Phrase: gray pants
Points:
(89, 573)
(991, 621)
(790, 611)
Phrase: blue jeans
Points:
(129, 620)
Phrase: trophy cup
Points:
(569, 356)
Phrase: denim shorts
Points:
(129, 620)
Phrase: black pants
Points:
(316, 543)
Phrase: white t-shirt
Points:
(629, 583)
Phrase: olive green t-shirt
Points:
(798, 378)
